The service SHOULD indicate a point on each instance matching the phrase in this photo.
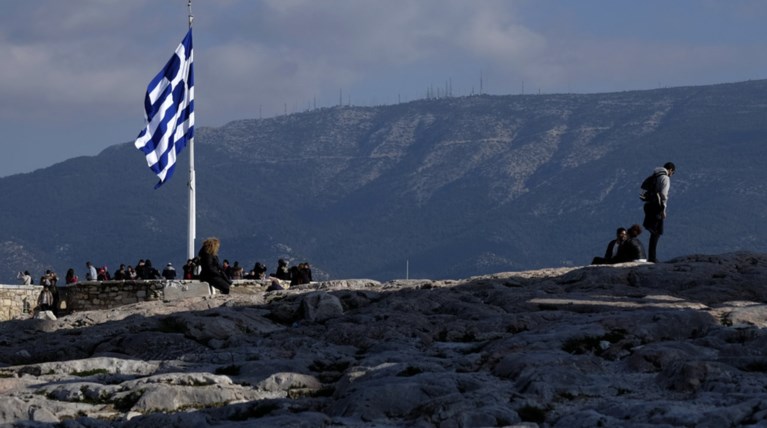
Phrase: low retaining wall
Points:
(88, 296)
(19, 301)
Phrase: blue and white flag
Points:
(169, 106)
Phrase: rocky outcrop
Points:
(673, 344)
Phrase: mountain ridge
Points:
(449, 187)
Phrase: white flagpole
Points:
(192, 231)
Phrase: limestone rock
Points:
(672, 344)
(320, 306)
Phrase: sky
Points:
(74, 73)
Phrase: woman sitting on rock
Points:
(212, 272)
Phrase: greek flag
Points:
(169, 106)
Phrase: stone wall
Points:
(17, 301)
(87, 296)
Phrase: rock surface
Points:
(633, 345)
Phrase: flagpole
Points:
(192, 230)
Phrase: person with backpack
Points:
(655, 194)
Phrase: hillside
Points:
(677, 344)
(444, 188)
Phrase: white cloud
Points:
(78, 60)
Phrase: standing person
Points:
(52, 278)
(189, 269)
(197, 268)
(45, 299)
(91, 275)
(227, 268)
(655, 207)
(25, 277)
(211, 271)
(612, 248)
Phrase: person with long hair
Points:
(211, 271)
(71, 277)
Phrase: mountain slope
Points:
(443, 188)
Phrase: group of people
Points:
(143, 270)
(46, 300)
(626, 246)
(193, 269)
(205, 267)
(220, 276)
(299, 274)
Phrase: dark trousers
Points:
(651, 254)
(653, 223)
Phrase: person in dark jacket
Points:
(169, 272)
(151, 272)
(120, 273)
(283, 272)
(632, 250)
(211, 270)
(612, 248)
(258, 272)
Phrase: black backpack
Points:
(647, 189)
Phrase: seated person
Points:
(169, 272)
(282, 270)
(612, 248)
(632, 250)
(236, 271)
(301, 274)
(258, 272)
(120, 273)
(71, 277)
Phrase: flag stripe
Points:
(169, 112)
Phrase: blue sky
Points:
(74, 72)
